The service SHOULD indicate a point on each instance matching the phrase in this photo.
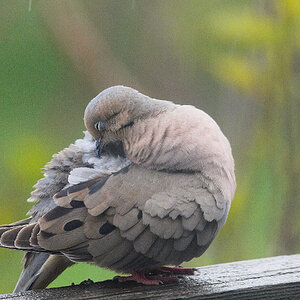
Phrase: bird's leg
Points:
(176, 270)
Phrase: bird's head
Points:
(113, 113)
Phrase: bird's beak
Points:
(99, 148)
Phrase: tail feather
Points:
(33, 239)
(40, 269)
(9, 236)
(22, 236)
(3, 229)
(9, 232)
(32, 263)
(17, 235)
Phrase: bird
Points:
(147, 188)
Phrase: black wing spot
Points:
(106, 228)
(57, 212)
(45, 234)
(73, 225)
(77, 203)
(140, 214)
(96, 187)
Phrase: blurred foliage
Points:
(237, 60)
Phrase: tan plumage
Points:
(157, 194)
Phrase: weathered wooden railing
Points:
(268, 278)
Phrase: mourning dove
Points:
(149, 185)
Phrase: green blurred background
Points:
(237, 60)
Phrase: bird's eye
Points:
(99, 125)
